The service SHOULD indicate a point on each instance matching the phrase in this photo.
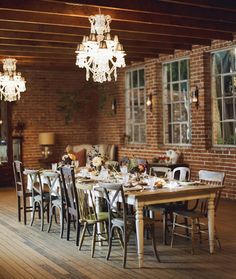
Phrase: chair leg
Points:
(77, 232)
(192, 234)
(19, 208)
(152, 228)
(173, 230)
(24, 210)
(82, 236)
(61, 222)
(94, 239)
(33, 213)
(42, 216)
(68, 226)
(50, 217)
(164, 220)
(125, 249)
(109, 243)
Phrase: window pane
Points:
(184, 90)
(185, 133)
(141, 77)
(175, 92)
(136, 133)
(183, 112)
(183, 69)
(219, 112)
(219, 133)
(228, 86)
(135, 94)
(142, 97)
(143, 133)
(135, 79)
(175, 71)
(228, 109)
(176, 135)
(218, 86)
(176, 112)
(229, 133)
(226, 62)
(138, 115)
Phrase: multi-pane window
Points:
(224, 97)
(176, 102)
(135, 106)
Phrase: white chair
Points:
(198, 214)
(181, 173)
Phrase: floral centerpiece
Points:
(96, 159)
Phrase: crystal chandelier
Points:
(98, 53)
(11, 83)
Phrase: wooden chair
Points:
(40, 196)
(162, 172)
(121, 222)
(57, 198)
(197, 216)
(89, 216)
(23, 194)
(71, 198)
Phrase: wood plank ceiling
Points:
(46, 32)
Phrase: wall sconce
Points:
(114, 105)
(46, 140)
(194, 97)
(149, 102)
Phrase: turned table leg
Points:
(139, 231)
(211, 222)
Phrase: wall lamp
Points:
(114, 105)
(149, 102)
(195, 97)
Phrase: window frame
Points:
(131, 122)
(215, 98)
(165, 103)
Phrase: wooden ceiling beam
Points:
(138, 28)
(166, 8)
(78, 10)
(76, 31)
(40, 37)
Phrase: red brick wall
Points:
(95, 121)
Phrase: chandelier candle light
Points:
(11, 83)
(99, 53)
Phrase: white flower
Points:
(97, 161)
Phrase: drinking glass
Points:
(54, 166)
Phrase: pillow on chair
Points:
(81, 157)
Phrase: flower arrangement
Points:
(69, 156)
(96, 159)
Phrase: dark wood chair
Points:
(197, 215)
(71, 199)
(23, 194)
(57, 200)
(121, 222)
(40, 196)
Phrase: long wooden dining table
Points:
(140, 199)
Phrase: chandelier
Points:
(98, 53)
(11, 83)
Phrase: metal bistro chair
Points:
(57, 198)
(40, 196)
(23, 194)
(181, 174)
(121, 222)
(198, 214)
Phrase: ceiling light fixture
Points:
(99, 53)
(11, 83)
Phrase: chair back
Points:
(181, 173)
(162, 172)
(35, 181)
(18, 177)
(69, 190)
(53, 180)
(114, 193)
(86, 198)
(213, 178)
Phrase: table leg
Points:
(139, 232)
(211, 222)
